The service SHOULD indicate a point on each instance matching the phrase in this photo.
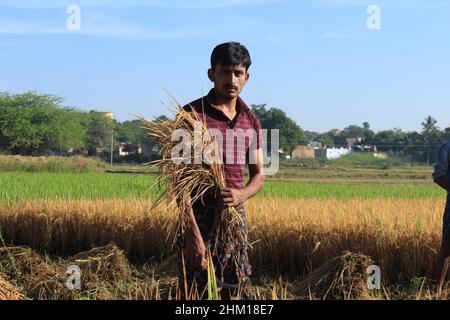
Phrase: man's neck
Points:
(227, 105)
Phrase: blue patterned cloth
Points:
(441, 169)
(446, 222)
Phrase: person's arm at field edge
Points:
(441, 169)
(443, 183)
(229, 197)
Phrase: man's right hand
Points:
(195, 251)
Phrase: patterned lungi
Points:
(232, 265)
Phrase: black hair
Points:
(230, 53)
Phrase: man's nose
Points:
(232, 79)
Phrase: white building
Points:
(332, 153)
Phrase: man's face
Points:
(229, 80)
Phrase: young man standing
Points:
(441, 176)
(224, 111)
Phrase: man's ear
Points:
(211, 75)
(248, 77)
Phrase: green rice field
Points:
(17, 186)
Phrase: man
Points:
(223, 110)
(441, 176)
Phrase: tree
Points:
(311, 135)
(134, 135)
(430, 133)
(32, 124)
(70, 134)
(132, 132)
(366, 125)
(291, 134)
(99, 130)
(326, 139)
(355, 131)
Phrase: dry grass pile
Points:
(8, 291)
(106, 263)
(103, 272)
(344, 277)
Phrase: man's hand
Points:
(228, 197)
(195, 251)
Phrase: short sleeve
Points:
(258, 141)
(441, 168)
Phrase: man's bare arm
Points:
(257, 176)
(443, 183)
(194, 248)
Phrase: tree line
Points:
(415, 146)
(39, 124)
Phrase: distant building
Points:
(108, 114)
(150, 150)
(331, 153)
(303, 152)
(122, 150)
(365, 148)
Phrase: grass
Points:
(342, 172)
(355, 159)
(50, 164)
(23, 185)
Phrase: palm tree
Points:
(429, 133)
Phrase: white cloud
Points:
(96, 24)
(101, 29)
(27, 28)
(391, 4)
(49, 4)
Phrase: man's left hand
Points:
(229, 197)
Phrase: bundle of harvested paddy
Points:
(342, 278)
(103, 270)
(186, 178)
(106, 263)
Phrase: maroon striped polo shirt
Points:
(237, 139)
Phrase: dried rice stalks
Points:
(8, 291)
(186, 180)
(342, 278)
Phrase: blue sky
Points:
(315, 59)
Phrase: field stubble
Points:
(292, 238)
